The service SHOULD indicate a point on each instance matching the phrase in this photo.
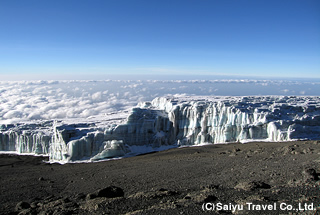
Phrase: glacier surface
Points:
(167, 122)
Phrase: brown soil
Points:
(176, 181)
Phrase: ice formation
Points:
(169, 122)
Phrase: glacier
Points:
(167, 122)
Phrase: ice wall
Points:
(169, 121)
(26, 138)
(220, 120)
(144, 127)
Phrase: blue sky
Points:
(100, 38)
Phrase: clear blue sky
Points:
(173, 37)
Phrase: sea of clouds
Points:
(22, 101)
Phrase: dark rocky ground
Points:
(177, 181)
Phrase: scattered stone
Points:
(287, 150)
(210, 198)
(257, 151)
(54, 203)
(80, 196)
(232, 154)
(108, 192)
(22, 206)
(310, 174)
(307, 151)
(236, 150)
(66, 200)
(49, 198)
(293, 182)
(252, 185)
(63, 212)
(201, 196)
(34, 204)
(255, 198)
(211, 187)
(91, 196)
(163, 193)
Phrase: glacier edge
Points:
(168, 122)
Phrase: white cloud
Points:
(97, 96)
(33, 100)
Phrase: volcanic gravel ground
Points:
(176, 181)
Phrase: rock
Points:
(27, 212)
(233, 154)
(108, 192)
(212, 186)
(307, 151)
(91, 196)
(236, 150)
(210, 198)
(63, 212)
(22, 206)
(162, 189)
(161, 193)
(66, 200)
(252, 185)
(288, 150)
(255, 198)
(80, 196)
(50, 198)
(34, 204)
(310, 174)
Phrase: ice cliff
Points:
(169, 122)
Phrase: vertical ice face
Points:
(58, 146)
(229, 119)
(170, 121)
(144, 127)
(31, 138)
(75, 142)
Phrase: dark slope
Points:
(176, 181)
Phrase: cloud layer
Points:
(46, 100)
